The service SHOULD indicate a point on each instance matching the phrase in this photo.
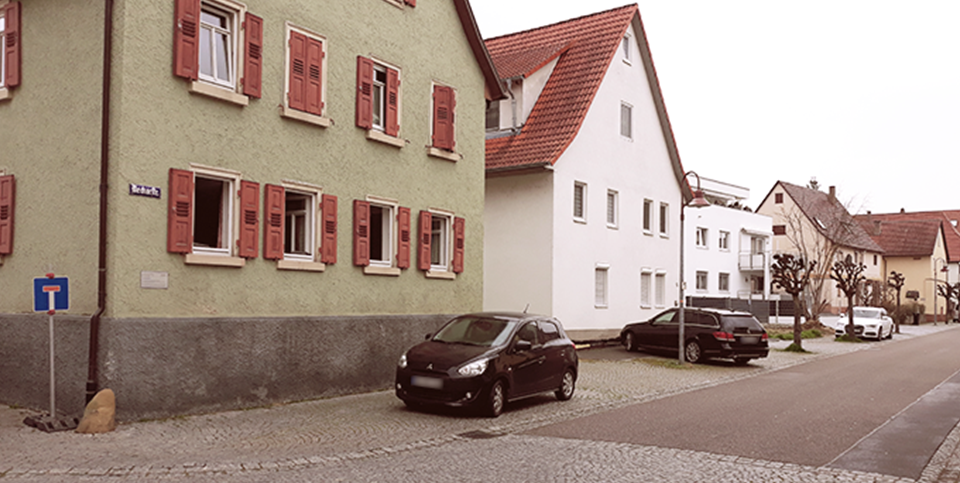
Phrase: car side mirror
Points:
(522, 345)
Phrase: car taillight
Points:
(724, 336)
(764, 336)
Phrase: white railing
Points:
(752, 261)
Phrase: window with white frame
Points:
(701, 237)
(580, 202)
(648, 216)
(379, 100)
(382, 232)
(664, 216)
(758, 245)
(440, 226)
(625, 48)
(612, 208)
(601, 289)
(723, 282)
(219, 26)
(702, 280)
(626, 120)
(213, 213)
(379, 96)
(661, 288)
(724, 242)
(646, 288)
(298, 236)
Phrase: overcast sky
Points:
(863, 95)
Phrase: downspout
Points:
(104, 165)
(513, 106)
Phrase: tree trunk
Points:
(850, 329)
(796, 323)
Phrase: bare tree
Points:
(792, 274)
(848, 275)
(896, 281)
(816, 248)
(951, 294)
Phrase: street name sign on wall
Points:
(50, 293)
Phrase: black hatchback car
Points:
(485, 359)
(707, 333)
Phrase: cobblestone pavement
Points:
(373, 437)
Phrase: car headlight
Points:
(474, 368)
(402, 362)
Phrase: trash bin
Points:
(916, 318)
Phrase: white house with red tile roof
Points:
(584, 183)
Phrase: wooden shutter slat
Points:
(458, 240)
(364, 92)
(423, 247)
(391, 125)
(296, 91)
(328, 249)
(252, 57)
(249, 242)
(186, 51)
(443, 104)
(11, 45)
(8, 192)
(180, 212)
(361, 233)
(274, 210)
(403, 237)
(314, 76)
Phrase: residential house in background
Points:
(816, 225)
(584, 183)
(727, 252)
(254, 202)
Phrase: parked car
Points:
(486, 359)
(708, 333)
(868, 323)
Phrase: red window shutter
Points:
(274, 213)
(423, 252)
(8, 191)
(314, 88)
(252, 58)
(364, 92)
(403, 245)
(249, 242)
(391, 124)
(458, 238)
(185, 44)
(180, 212)
(361, 233)
(443, 104)
(296, 91)
(11, 46)
(328, 251)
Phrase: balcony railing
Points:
(753, 261)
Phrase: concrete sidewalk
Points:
(353, 428)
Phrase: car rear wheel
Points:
(691, 352)
(630, 342)
(880, 334)
(495, 398)
(567, 386)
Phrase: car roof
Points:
(506, 315)
(721, 311)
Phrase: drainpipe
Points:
(513, 106)
(104, 165)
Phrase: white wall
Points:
(742, 226)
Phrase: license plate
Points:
(427, 382)
(749, 340)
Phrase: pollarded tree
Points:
(848, 275)
(951, 293)
(896, 281)
(792, 274)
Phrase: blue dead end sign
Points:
(49, 291)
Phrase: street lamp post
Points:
(698, 201)
(936, 280)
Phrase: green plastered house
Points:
(253, 202)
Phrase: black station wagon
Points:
(485, 359)
(708, 333)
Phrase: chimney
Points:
(902, 210)
(833, 193)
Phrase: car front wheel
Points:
(567, 386)
(691, 352)
(496, 398)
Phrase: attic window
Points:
(627, 59)
(493, 115)
(778, 198)
(954, 223)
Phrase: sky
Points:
(861, 95)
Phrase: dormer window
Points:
(625, 48)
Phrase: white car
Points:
(868, 323)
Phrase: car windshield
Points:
(737, 323)
(473, 330)
(866, 313)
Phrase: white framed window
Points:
(646, 289)
(612, 208)
(701, 237)
(664, 217)
(723, 282)
(626, 120)
(379, 96)
(626, 49)
(724, 240)
(379, 100)
(218, 42)
(648, 217)
(661, 288)
(301, 222)
(3, 51)
(214, 210)
(758, 245)
(601, 286)
(383, 230)
(441, 225)
(580, 202)
(702, 280)
(305, 76)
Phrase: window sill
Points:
(300, 265)
(388, 271)
(214, 260)
(441, 275)
(306, 117)
(613, 227)
(444, 154)
(664, 236)
(582, 221)
(379, 136)
(220, 93)
(5, 94)
(600, 306)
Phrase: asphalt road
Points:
(831, 412)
